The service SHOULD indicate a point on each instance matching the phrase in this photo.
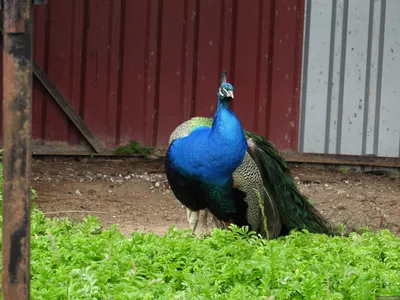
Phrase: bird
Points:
(215, 165)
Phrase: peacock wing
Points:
(296, 211)
(247, 178)
(185, 128)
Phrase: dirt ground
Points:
(134, 194)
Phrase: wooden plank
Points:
(290, 157)
(68, 150)
(68, 109)
(63, 151)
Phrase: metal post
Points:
(17, 97)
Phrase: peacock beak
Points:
(229, 94)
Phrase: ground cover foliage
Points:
(71, 260)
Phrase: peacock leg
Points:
(193, 218)
(205, 223)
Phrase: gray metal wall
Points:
(350, 101)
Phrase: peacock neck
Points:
(212, 154)
(226, 125)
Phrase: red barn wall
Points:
(135, 69)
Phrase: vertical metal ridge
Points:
(195, 58)
(231, 77)
(108, 64)
(399, 143)
(120, 72)
(183, 57)
(222, 40)
(330, 77)
(85, 22)
(258, 63)
(367, 78)
(46, 68)
(379, 75)
(233, 41)
(146, 69)
(270, 66)
(71, 65)
(298, 52)
(342, 75)
(306, 53)
(158, 69)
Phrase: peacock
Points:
(213, 164)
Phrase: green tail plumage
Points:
(296, 211)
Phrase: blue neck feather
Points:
(212, 154)
(226, 125)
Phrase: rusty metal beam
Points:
(17, 98)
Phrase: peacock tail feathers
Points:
(295, 209)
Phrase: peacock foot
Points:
(217, 223)
(227, 224)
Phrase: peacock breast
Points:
(207, 157)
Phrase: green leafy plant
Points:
(344, 170)
(81, 260)
(134, 147)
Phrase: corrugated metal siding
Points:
(350, 91)
(135, 69)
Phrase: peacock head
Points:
(225, 91)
